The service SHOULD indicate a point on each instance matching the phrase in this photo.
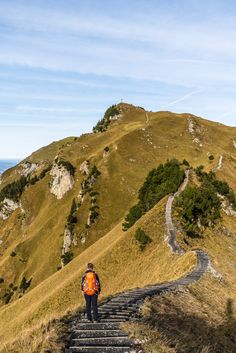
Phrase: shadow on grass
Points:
(190, 333)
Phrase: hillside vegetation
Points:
(74, 199)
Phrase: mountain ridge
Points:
(132, 145)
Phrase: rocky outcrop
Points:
(7, 207)
(85, 167)
(106, 152)
(62, 180)
(68, 239)
(28, 168)
(226, 206)
(220, 162)
(228, 209)
(89, 222)
(195, 131)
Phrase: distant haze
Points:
(6, 164)
(62, 63)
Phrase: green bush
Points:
(163, 180)
(94, 172)
(199, 207)
(67, 165)
(103, 124)
(220, 187)
(142, 238)
(134, 214)
(24, 285)
(42, 174)
(67, 257)
(14, 190)
(211, 157)
(186, 163)
(7, 296)
(72, 217)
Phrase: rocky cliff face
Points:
(7, 207)
(85, 167)
(61, 182)
(195, 131)
(67, 241)
(28, 168)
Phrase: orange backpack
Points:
(90, 286)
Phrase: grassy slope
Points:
(111, 255)
(132, 154)
(202, 317)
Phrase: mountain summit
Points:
(66, 203)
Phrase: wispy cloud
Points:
(183, 98)
(61, 61)
(57, 110)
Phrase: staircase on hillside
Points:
(107, 335)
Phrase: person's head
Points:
(90, 266)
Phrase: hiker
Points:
(91, 288)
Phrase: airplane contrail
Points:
(184, 97)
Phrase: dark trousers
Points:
(91, 299)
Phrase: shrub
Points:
(72, 217)
(94, 172)
(7, 296)
(1, 280)
(94, 193)
(106, 149)
(186, 163)
(211, 157)
(103, 124)
(134, 214)
(220, 187)
(14, 190)
(142, 238)
(199, 207)
(42, 174)
(13, 254)
(24, 285)
(67, 257)
(163, 180)
(67, 165)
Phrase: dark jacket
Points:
(83, 279)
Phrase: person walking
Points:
(91, 288)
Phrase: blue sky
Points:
(63, 62)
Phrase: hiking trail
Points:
(107, 335)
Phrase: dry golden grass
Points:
(38, 238)
(185, 322)
(118, 259)
(45, 337)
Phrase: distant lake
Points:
(7, 163)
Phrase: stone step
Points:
(120, 317)
(98, 326)
(113, 306)
(98, 349)
(107, 309)
(114, 320)
(117, 312)
(101, 341)
(118, 303)
(98, 333)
